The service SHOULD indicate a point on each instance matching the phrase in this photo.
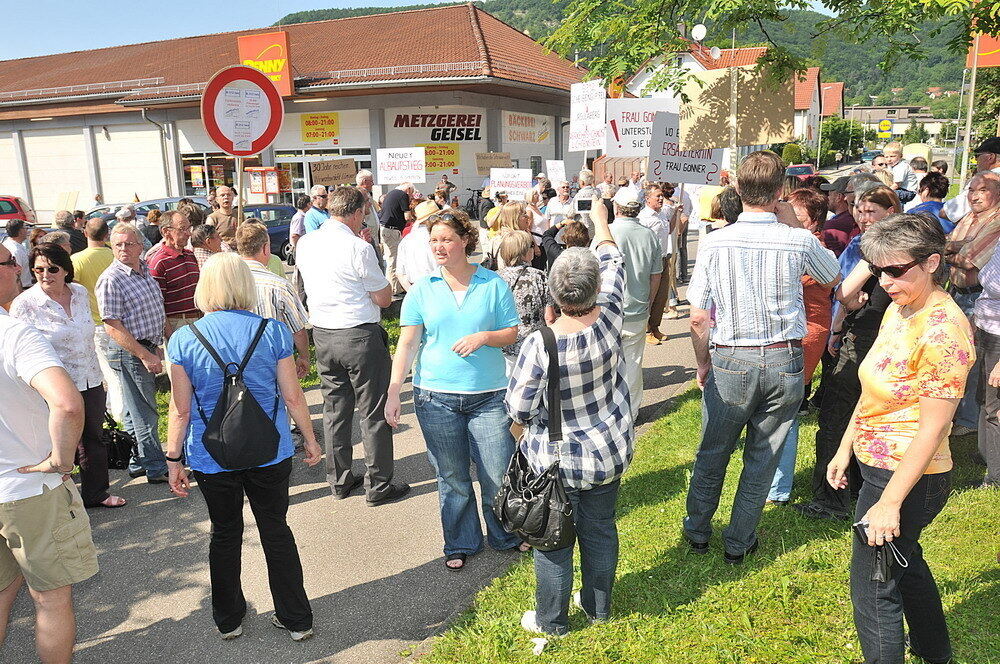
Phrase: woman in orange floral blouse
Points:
(911, 381)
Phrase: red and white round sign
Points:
(241, 110)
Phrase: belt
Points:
(968, 290)
(196, 316)
(791, 343)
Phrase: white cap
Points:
(626, 196)
(540, 175)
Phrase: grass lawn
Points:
(788, 603)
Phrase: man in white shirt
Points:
(44, 529)
(16, 232)
(659, 218)
(346, 291)
(559, 207)
(415, 260)
(987, 159)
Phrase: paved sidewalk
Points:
(375, 576)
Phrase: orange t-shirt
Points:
(928, 354)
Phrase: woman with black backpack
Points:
(233, 386)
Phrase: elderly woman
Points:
(596, 425)
(227, 294)
(531, 297)
(454, 322)
(60, 310)
(911, 381)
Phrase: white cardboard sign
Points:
(630, 124)
(556, 171)
(399, 165)
(516, 182)
(587, 113)
(668, 163)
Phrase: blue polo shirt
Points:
(488, 306)
(230, 333)
(315, 218)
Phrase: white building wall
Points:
(57, 169)
(130, 160)
(10, 176)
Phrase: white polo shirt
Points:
(413, 257)
(24, 415)
(339, 271)
(659, 223)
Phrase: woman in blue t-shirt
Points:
(226, 293)
(455, 321)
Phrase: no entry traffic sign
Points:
(241, 110)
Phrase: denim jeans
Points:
(597, 535)
(459, 430)
(879, 607)
(759, 389)
(781, 485)
(967, 414)
(988, 350)
(141, 418)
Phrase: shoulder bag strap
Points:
(253, 344)
(554, 396)
(211, 351)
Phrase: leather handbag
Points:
(121, 444)
(535, 506)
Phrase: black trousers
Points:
(841, 392)
(267, 490)
(91, 452)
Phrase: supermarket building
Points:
(124, 122)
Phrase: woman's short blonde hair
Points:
(514, 246)
(225, 283)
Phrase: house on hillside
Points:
(808, 107)
(833, 100)
(934, 92)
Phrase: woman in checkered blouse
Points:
(597, 424)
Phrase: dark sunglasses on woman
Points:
(894, 271)
(51, 269)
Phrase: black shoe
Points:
(700, 548)
(136, 473)
(160, 479)
(817, 511)
(395, 492)
(349, 489)
(734, 559)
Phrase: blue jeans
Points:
(597, 535)
(141, 418)
(461, 429)
(781, 486)
(967, 414)
(759, 389)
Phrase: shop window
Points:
(206, 170)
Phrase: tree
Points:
(915, 133)
(842, 135)
(791, 154)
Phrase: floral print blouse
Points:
(531, 295)
(928, 354)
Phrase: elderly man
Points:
(561, 206)
(393, 218)
(131, 305)
(316, 215)
(346, 289)
(275, 297)
(750, 272)
(643, 254)
(205, 241)
(586, 193)
(987, 159)
(659, 219)
(365, 181)
(17, 231)
(46, 532)
(66, 222)
(176, 270)
(58, 237)
(226, 218)
(415, 259)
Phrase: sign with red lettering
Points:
(587, 113)
(630, 124)
(268, 53)
(444, 126)
(515, 182)
(241, 110)
(399, 165)
(668, 163)
(526, 128)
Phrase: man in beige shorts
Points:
(44, 529)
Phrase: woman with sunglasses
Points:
(911, 382)
(60, 310)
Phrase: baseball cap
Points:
(839, 185)
(991, 145)
(626, 196)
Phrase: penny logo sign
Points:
(268, 53)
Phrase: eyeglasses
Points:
(10, 262)
(894, 271)
(51, 269)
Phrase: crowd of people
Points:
(791, 275)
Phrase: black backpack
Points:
(239, 434)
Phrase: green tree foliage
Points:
(915, 133)
(791, 154)
(842, 135)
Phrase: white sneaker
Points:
(296, 636)
(235, 634)
(578, 603)
(529, 622)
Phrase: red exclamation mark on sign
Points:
(614, 128)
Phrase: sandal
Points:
(455, 556)
(112, 502)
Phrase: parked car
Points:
(142, 208)
(277, 218)
(15, 207)
(102, 210)
(868, 156)
(801, 171)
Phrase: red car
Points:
(13, 207)
(801, 171)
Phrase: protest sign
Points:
(587, 114)
(556, 170)
(630, 123)
(399, 165)
(668, 163)
(333, 172)
(516, 182)
(489, 160)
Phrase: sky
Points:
(41, 27)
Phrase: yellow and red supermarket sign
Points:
(441, 156)
(268, 53)
(988, 52)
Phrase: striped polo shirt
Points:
(177, 274)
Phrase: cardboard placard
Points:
(556, 171)
(630, 124)
(587, 113)
(516, 182)
(668, 163)
(333, 172)
(489, 160)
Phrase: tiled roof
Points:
(467, 43)
(729, 57)
(833, 99)
(804, 89)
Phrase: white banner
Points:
(399, 165)
(630, 124)
(587, 113)
(668, 163)
(526, 128)
(516, 182)
(556, 171)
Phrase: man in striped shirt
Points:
(750, 272)
(176, 271)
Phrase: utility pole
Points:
(968, 116)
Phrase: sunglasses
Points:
(52, 269)
(894, 271)
(10, 262)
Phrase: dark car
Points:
(868, 156)
(14, 207)
(277, 218)
(801, 171)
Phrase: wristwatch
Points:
(174, 459)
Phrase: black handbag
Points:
(121, 444)
(535, 506)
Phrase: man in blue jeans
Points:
(750, 272)
(131, 306)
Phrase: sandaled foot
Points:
(111, 502)
(455, 561)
